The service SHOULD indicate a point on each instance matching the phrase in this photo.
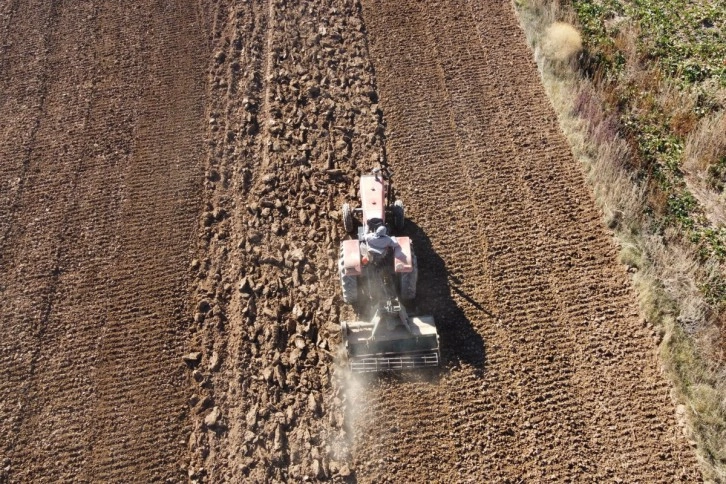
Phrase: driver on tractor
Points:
(380, 244)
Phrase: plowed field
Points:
(170, 182)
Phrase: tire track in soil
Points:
(569, 386)
(24, 78)
(96, 245)
(28, 247)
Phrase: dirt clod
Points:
(193, 358)
(212, 418)
(214, 361)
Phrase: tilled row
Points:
(565, 364)
(100, 163)
(292, 119)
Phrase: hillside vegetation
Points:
(642, 104)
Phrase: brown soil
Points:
(101, 161)
(171, 178)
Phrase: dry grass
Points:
(706, 145)
(562, 42)
(667, 271)
(704, 165)
(626, 42)
(679, 104)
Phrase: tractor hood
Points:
(373, 197)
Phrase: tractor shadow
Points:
(460, 343)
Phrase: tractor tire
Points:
(399, 219)
(350, 289)
(347, 214)
(408, 282)
(349, 284)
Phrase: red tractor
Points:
(378, 274)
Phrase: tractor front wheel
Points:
(348, 219)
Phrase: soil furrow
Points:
(93, 358)
(54, 259)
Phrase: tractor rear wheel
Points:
(349, 284)
(350, 289)
(398, 215)
(348, 219)
(408, 282)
